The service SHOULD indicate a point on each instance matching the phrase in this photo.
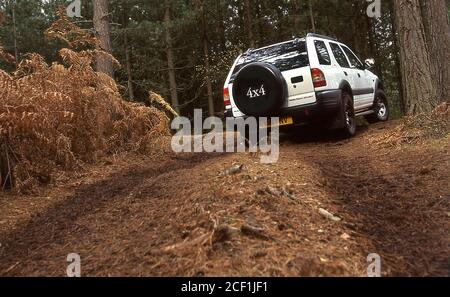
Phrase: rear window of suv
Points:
(286, 56)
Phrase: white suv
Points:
(306, 80)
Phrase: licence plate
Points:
(285, 121)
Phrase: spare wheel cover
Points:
(259, 89)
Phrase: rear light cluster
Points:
(318, 78)
(226, 97)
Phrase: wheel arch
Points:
(379, 85)
(345, 87)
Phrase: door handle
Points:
(359, 75)
(297, 79)
(346, 74)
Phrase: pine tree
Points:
(102, 29)
(418, 87)
(437, 32)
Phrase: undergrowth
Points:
(59, 116)
(419, 128)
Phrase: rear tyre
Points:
(380, 109)
(349, 127)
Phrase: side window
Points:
(322, 52)
(353, 59)
(339, 55)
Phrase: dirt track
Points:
(180, 216)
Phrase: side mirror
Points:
(370, 63)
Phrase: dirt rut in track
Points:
(181, 215)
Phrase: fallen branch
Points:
(203, 239)
(254, 232)
(6, 167)
(157, 101)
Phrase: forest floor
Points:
(182, 216)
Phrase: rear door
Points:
(342, 60)
(363, 92)
(300, 86)
(291, 58)
(351, 74)
(294, 65)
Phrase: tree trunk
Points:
(311, 15)
(170, 59)
(296, 18)
(16, 51)
(249, 23)
(102, 30)
(398, 69)
(437, 29)
(374, 48)
(221, 27)
(128, 66)
(127, 54)
(418, 88)
(259, 25)
(209, 89)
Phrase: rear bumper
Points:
(327, 104)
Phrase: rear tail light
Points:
(226, 97)
(318, 78)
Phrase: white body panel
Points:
(362, 82)
(299, 93)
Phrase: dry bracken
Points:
(55, 117)
(418, 128)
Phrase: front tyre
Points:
(380, 109)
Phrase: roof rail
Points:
(320, 36)
(298, 40)
(249, 51)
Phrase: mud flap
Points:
(338, 122)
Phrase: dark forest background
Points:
(182, 49)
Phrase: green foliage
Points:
(226, 28)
